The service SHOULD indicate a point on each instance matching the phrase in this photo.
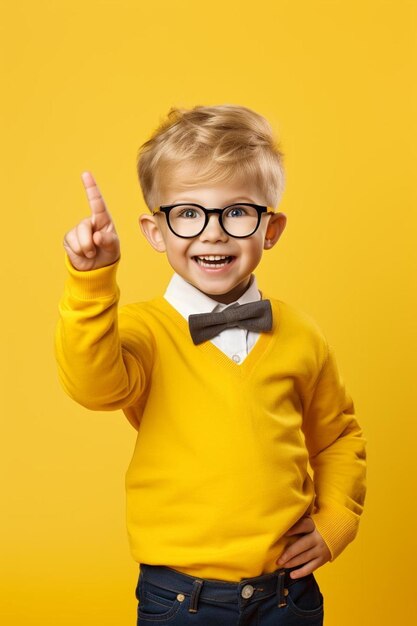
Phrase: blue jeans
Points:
(169, 597)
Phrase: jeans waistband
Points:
(248, 589)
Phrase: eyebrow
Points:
(233, 201)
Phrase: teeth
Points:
(213, 258)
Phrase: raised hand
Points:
(93, 243)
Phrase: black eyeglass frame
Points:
(207, 212)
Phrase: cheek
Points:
(253, 252)
(177, 252)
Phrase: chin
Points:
(226, 296)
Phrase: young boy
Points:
(232, 393)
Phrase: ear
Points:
(152, 231)
(276, 226)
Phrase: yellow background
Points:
(83, 85)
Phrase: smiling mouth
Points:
(213, 260)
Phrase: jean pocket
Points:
(157, 603)
(304, 597)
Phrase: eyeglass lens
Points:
(238, 220)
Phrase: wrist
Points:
(96, 283)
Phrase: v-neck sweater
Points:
(227, 457)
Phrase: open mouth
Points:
(213, 260)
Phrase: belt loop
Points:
(282, 600)
(197, 586)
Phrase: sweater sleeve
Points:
(337, 456)
(103, 363)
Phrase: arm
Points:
(100, 361)
(337, 456)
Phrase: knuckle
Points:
(69, 234)
(85, 223)
(69, 241)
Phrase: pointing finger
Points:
(100, 215)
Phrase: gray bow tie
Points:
(256, 316)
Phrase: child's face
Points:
(224, 281)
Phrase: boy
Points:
(232, 393)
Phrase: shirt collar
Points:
(188, 300)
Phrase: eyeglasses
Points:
(237, 220)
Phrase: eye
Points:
(236, 211)
(188, 213)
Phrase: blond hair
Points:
(218, 144)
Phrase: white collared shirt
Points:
(236, 343)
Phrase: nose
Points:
(213, 231)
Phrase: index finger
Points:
(95, 200)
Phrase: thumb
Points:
(106, 240)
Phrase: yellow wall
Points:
(83, 84)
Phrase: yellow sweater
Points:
(220, 467)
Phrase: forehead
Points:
(183, 185)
